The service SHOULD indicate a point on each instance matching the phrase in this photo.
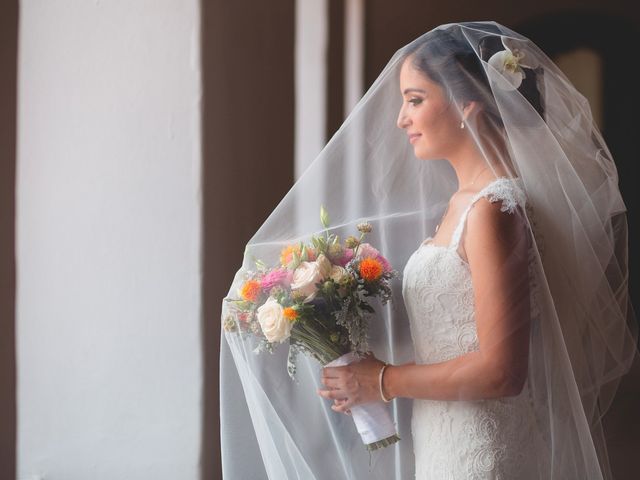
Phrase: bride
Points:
(511, 326)
(477, 261)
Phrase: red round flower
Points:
(251, 290)
(370, 269)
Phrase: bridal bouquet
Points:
(317, 300)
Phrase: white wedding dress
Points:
(460, 439)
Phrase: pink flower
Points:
(385, 263)
(347, 256)
(366, 250)
(278, 276)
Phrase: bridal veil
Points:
(583, 335)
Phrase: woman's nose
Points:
(402, 119)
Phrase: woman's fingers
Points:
(334, 376)
(335, 372)
(357, 383)
(341, 402)
(332, 394)
(330, 382)
(341, 408)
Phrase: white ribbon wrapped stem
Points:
(373, 420)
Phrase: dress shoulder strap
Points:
(509, 190)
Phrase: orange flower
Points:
(370, 269)
(290, 314)
(287, 254)
(250, 290)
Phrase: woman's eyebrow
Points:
(407, 90)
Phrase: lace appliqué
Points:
(505, 190)
(476, 440)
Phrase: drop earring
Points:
(462, 124)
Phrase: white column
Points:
(354, 53)
(108, 240)
(311, 43)
(353, 91)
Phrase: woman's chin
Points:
(421, 154)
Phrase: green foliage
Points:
(261, 266)
(324, 217)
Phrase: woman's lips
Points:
(413, 136)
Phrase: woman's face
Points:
(430, 120)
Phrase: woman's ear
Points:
(469, 108)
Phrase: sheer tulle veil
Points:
(537, 127)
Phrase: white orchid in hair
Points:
(506, 65)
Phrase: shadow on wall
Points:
(247, 154)
(606, 35)
(8, 89)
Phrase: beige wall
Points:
(108, 240)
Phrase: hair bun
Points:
(490, 45)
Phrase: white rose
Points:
(337, 273)
(274, 325)
(305, 277)
(324, 265)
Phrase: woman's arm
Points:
(496, 247)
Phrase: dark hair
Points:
(452, 63)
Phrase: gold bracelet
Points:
(380, 383)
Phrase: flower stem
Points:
(322, 348)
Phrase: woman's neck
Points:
(475, 166)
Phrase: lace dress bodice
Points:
(460, 439)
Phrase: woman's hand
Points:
(352, 384)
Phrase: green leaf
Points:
(295, 261)
(367, 308)
(322, 245)
(324, 217)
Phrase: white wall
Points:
(108, 240)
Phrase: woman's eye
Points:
(416, 101)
